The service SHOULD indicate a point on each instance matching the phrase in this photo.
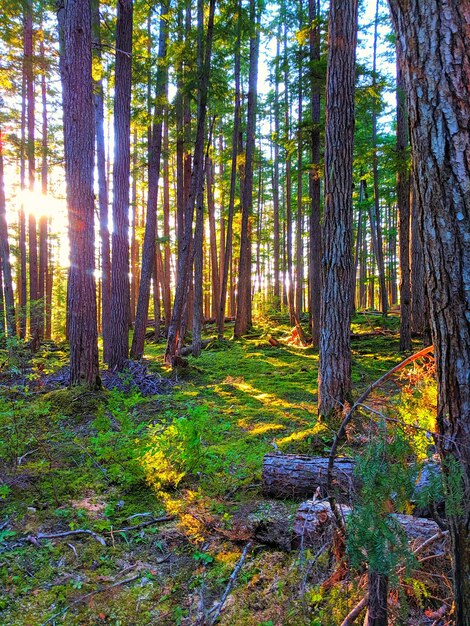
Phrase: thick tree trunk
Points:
(77, 89)
(334, 378)
(403, 205)
(120, 288)
(433, 35)
(149, 248)
(419, 308)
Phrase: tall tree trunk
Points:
(315, 228)
(175, 335)
(166, 223)
(403, 202)
(359, 238)
(228, 256)
(5, 254)
(134, 245)
(213, 238)
(334, 377)
(43, 234)
(22, 297)
(433, 35)
(103, 201)
(77, 90)
(277, 124)
(32, 229)
(120, 302)
(149, 248)
(243, 315)
(299, 253)
(375, 217)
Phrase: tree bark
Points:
(175, 330)
(334, 378)
(77, 89)
(149, 248)
(5, 253)
(243, 315)
(120, 288)
(433, 35)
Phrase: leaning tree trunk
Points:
(334, 377)
(433, 35)
(77, 90)
(120, 287)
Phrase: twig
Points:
(35, 538)
(156, 520)
(72, 547)
(88, 595)
(342, 429)
(23, 456)
(355, 612)
(218, 608)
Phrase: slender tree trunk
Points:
(77, 90)
(299, 253)
(315, 228)
(418, 294)
(359, 238)
(375, 222)
(22, 297)
(334, 378)
(149, 248)
(32, 229)
(276, 250)
(103, 201)
(134, 246)
(377, 602)
(403, 202)
(7, 291)
(175, 335)
(243, 315)
(228, 260)
(213, 238)
(120, 293)
(43, 234)
(166, 224)
(433, 35)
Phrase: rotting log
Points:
(315, 523)
(297, 476)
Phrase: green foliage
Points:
(374, 536)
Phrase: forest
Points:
(235, 312)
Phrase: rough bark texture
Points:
(434, 37)
(315, 522)
(296, 476)
(418, 294)
(77, 91)
(334, 377)
(120, 288)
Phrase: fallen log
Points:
(297, 476)
(187, 350)
(315, 523)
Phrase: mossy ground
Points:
(74, 460)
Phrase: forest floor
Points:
(164, 485)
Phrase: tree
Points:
(120, 289)
(433, 35)
(334, 377)
(403, 202)
(148, 251)
(5, 253)
(77, 93)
